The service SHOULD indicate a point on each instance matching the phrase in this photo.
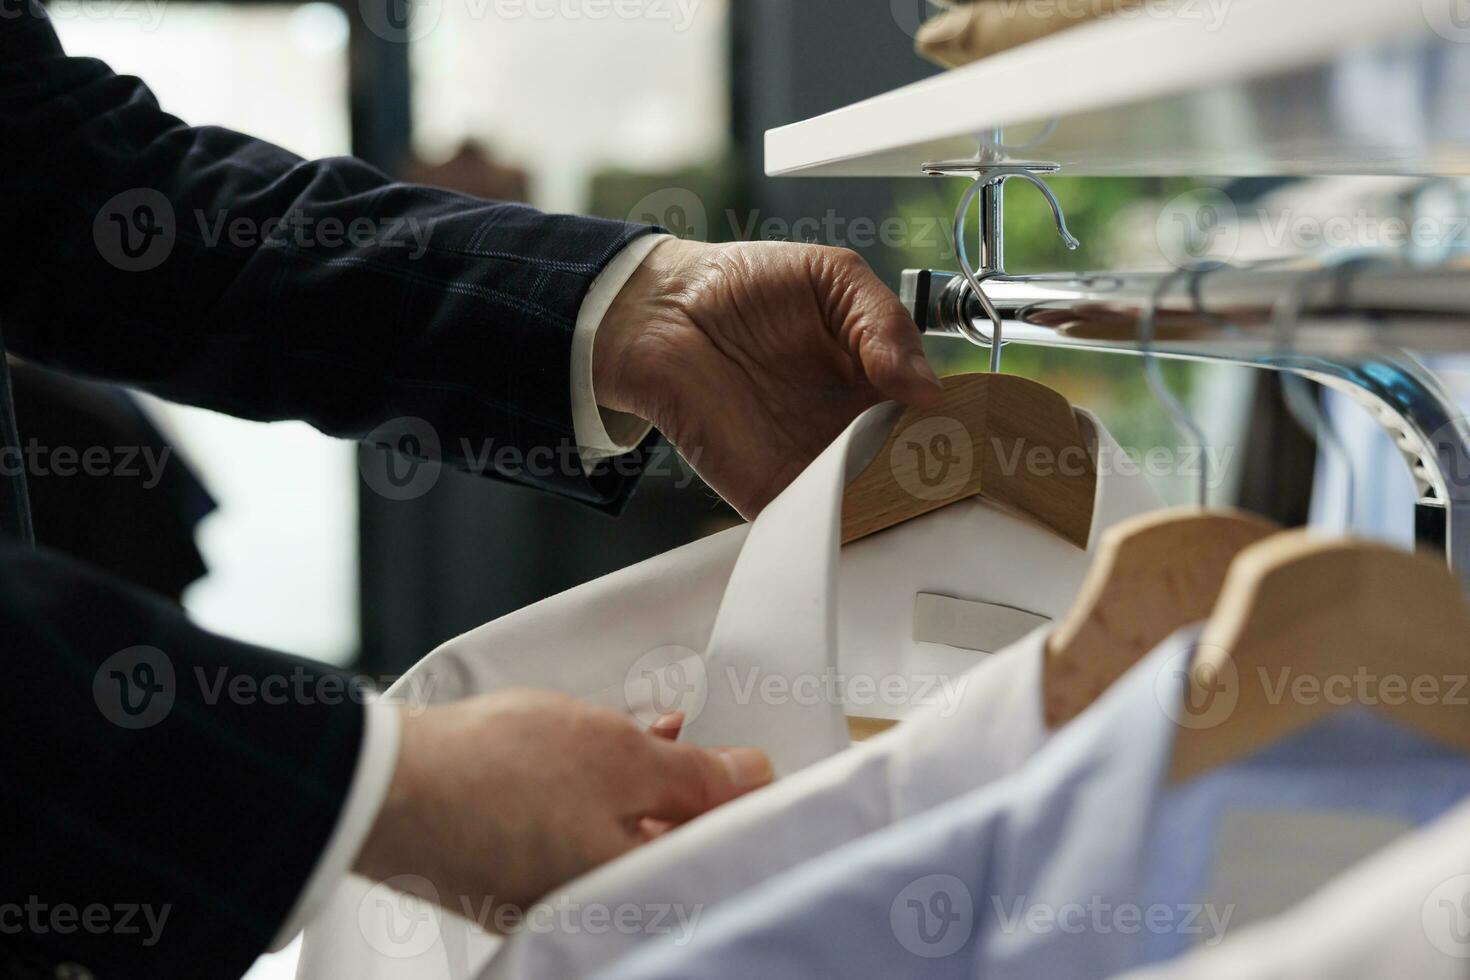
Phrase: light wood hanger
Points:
(998, 436)
(1359, 621)
(1010, 440)
(1153, 574)
(1308, 624)
(990, 424)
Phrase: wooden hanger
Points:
(1005, 438)
(1010, 440)
(1153, 574)
(1300, 611)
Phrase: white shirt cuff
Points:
(602, 432)
(377, 757)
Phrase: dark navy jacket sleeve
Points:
(164, 792)
(161, 802)
(219, 270)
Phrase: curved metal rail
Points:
(1352, 338)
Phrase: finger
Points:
(887, 344)
(667, 726)
(894, 360)
(651, 829)
(687, 781)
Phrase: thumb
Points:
(688, 780)
(895, 362)
(887, 343)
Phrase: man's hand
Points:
(508, 796)
(753, 357)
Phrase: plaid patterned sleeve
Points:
(219, 270)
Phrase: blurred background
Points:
(654, 115)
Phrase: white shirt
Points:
(981, 732)
(1403, 912)
(763, 602)
(600, 433)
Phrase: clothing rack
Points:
(1275, 87)
(1351, 337)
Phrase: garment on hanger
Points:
(906, 615)
(1404, 912)
(972, 31)
(996, 725)
(1087, 862)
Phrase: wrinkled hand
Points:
(500, 799)
(752, 357)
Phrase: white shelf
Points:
(1227, 87)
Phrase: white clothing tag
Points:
(1267, 861)
(970, 624)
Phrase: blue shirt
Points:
(1087, 862)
